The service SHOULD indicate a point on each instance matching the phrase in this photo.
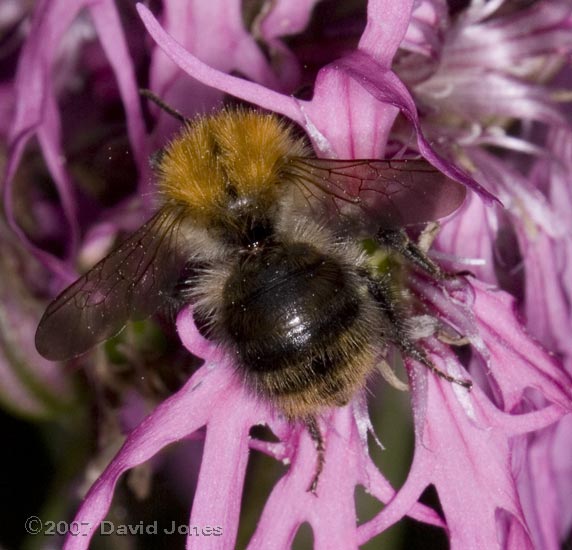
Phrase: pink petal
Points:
(381, 38)
(112, 38)
(180, 415)
(469, 462)
(388, 89)
(193, 24)
(285, 18)
(36, 113)
(218, 496)
(423, 33)
(510, 345)
(469, 238)
(238, 87)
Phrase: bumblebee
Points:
(262, 239)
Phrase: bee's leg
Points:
(416, 253)
(411, 350)
(397, 331)
(428, 236)
(314, 431)
(398, 241)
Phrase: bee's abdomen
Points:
(301, 326)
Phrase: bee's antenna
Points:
(316, 436)
(161, 104)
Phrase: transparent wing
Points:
(366, 195)
(128, 284)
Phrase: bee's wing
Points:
(128, 284)
(366, 195)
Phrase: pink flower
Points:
(496, 455)
(492, 75)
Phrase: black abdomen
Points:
(294, 316)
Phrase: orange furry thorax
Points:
(236, 154)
